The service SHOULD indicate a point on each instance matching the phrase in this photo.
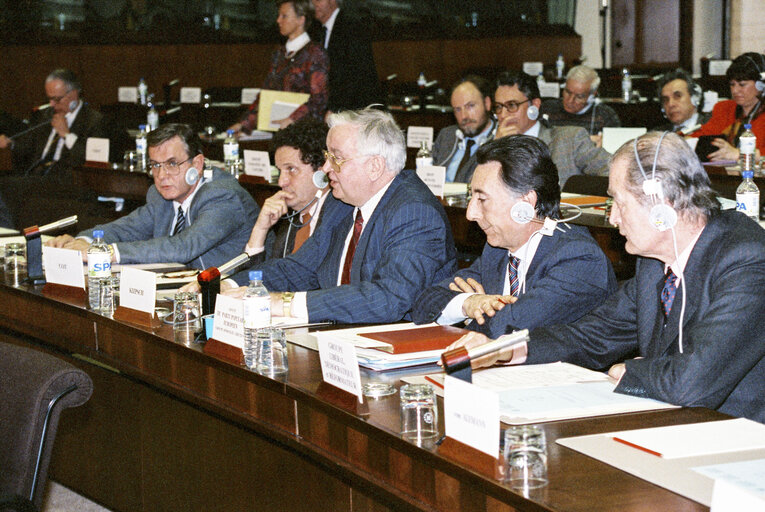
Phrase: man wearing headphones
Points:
(290, 216)
(516, 105)
(190, 217)
(578, 105)
(680, 97)
(455, 146)
(531, 273)
(688, 329)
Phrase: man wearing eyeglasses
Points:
(456, 145)
(190, 217)
(578, 104)
(61, 134)
(383, 236)
(516, 105)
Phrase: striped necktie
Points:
(180, 222)
(512, 270)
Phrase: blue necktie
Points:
(668, 292)
(512, 270)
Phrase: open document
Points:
(277, 105)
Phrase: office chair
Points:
(34, 388)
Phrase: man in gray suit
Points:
(199, 219)
(516, 105)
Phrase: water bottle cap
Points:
(98, 233)
(747, 174)
(748, 126)
(141, 126)
(256, 275)
(230, 132)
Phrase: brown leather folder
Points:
(417, 340)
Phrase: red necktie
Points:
(357, 225)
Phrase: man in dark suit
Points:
(383, 236)
(680, 97)
(530, 273)
(290, 216)
(688, 329)
(353, 81)
(69, 122)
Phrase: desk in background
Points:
(171, 428)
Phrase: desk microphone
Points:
(457, 361)
(209, 288)
(46, 122)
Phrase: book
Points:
(422, 339)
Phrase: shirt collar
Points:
(187, 203)
(331, 21)
(678, 266)
(690, 122)
(534, 130)
(526, 252)
(70, 116)
(297, 43)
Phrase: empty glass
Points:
(419, 413)
(186, 317)
(15, 263)
(525, 457)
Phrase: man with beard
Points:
(456, 145)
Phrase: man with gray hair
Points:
(688, 329)
(680, 97)
(384, 236)
(578, 105)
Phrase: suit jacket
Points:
(445, 146)
(573, 152)
(723, 361)
(353, 80)
(593, 121)
(29, 147)
(406, 245)
(568, 277)
(220, 218)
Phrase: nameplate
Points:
(471, 415)
(191, 94)
(228, 326)
(127, 94)
(64, 267)
(719, 67)
(339, 366)
(257, 163)
(434, 177)
(97, 150)
(533, 68)
(415, 135)
(249, 95)
(549, 89)
(138, 289)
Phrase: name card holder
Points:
(98, 165)
(342, 399)
(69, 294)
(133, 316)
(492, 467)
(224, 351)
(249, 179)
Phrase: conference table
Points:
(170, 427)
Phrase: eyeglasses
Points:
(578, 97)
(57, 99)
(172, 168)
(511, 106)
(337, 163)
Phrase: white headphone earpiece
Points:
(533, 112)
(522, 212)
(696, 95)
(320, 179)
(759, 84)
(72, 105)
(662, 216)
(192, 175)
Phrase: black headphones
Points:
(662, 216)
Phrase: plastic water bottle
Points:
(230, 152)
(626, 85)
(747, 145)
(424, 158)
(99, 266)
(748, 196)
(143, 91)
(152, 118)
(140, 147)
(257, 314)
(560, 66)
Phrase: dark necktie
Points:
(668, 292)
(512, 270)
(468, 146)
(357, 225)
(51, 149)
(303, 233)
(180, 222)
(323, 35)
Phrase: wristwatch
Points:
(287, 303)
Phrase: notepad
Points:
(406, 341)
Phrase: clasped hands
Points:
(480, 304)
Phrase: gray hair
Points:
(683, 179)
(378, 134)
(582, 73)
(68, 77)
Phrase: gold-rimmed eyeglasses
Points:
(337, 163)
(171, 167)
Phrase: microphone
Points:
(234, 264)
(209, 288)
(459, 359)
(46, 122)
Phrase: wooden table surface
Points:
(172, 428)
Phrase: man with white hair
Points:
(578, 104)
(384, 237)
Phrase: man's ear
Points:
(376, 167)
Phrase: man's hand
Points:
(469, 286)
(283, 123)
(59, 124)
(67, 242)
(193, 286)
(725, 151)
(616, 372)
(597, 139)
(475, 339)
(5, 142)
(478, 305)
(237, 293)
(505, 128)
(272, 210)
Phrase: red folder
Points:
(417, 340)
